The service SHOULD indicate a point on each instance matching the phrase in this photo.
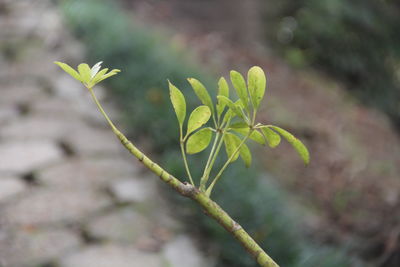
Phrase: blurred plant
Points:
(240, 117)
(357, 42)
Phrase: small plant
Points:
(233, 123)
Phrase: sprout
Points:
(86, 75)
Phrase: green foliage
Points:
(178, 102)
(296, 143)
(223, 90)
(356, 41)
(272, 137)
(88, 76)
(202, 93)
(243, 124)
(198, 118)
(240, 86)
(199, 141)
(256, 83)
(232, 143)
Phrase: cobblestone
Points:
(10, 186)
(25, 156)
(111, 256)
(125, 225)
(55, 206)
(32, 247)
(181, 252)
(59, 162)
(133, 189)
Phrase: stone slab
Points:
(86, 173)
(43, 207)
(181, 252)
(27, 156)
(10, 186)
(134, 189)
(123, 226)
(26, 248)
(111, 255)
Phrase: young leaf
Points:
(255, 135)
(108, 75)
(296, 143)
(230, 146)
(84, 71)
(198, 117)
(201, 93)
(69, 70)
(240, 86)
(95, 69)
(223, 90)
(178, 102)
(239, 125)
(229, 114)
(232, 142)
(272, 137)
(245, 154)
(256, 83)
(99, 76)
(232, 106)
(198, 141)
(239, 106)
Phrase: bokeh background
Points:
(333, 70)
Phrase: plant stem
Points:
(211, 208)
(206, 174)
(204, 178)
(185, 161)
(218, 176)
(214, 158)
(101, 108)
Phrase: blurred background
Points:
(333, 80)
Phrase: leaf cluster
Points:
(86, 75)
(229, 122)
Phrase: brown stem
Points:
(211, 208)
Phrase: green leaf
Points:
(198, 117)
(223, 90)
(255, 135)
(178, 102)
(232, 106)
(198, 141)
(201, 93)
(111, 73)
(232, 142)
(238, 125)
(69, 70)
(99, 76)
(229, 114)
(272, 137)
(240, 86)
(245, 154)
(296, 143)
(85, 72)
(256, 83)
(230, 146)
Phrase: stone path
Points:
(70, 195)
